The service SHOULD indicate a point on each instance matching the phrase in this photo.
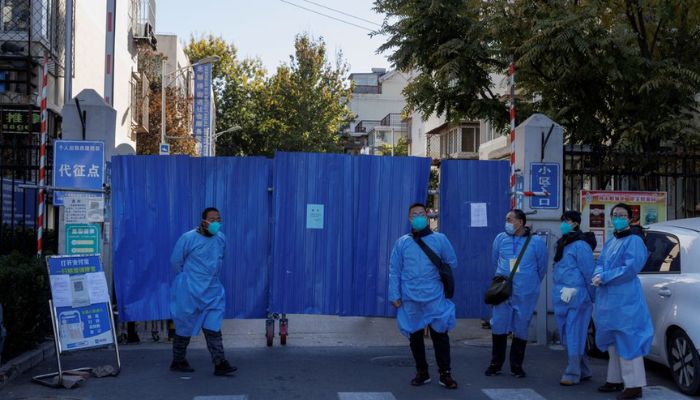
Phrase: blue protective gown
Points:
(574, 270)
(621, 314)
(415, 280)
(197, 295)
(514, 314)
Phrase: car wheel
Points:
(591, 348)
(684, 362)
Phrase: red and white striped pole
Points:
(511, 74)
(42, 158)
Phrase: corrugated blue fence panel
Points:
(342, 268)
(464, 183)
(385, 188)
(157, 198)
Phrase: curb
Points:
(24, 362)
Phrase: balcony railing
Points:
(365, 126)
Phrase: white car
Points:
(671, 282)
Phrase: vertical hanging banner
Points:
(81, 302)
(202, 107)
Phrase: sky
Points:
(266, 28)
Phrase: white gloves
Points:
(596, 281)
(567, 294)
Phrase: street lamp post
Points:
(163, 85)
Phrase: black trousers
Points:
(441, 344)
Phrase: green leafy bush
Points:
(24, 295)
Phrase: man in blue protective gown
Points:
(573, 294)
(513, 315)
(623, 324)
(197, 295)
(416, 290)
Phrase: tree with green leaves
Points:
(447, 44)
(306, 101)
(237, 84)
(400, 149)
(302, 107)
(621, 73)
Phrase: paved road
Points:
(346, 372)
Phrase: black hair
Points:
(519, 214)
(417, 205)
(622, 205)
(574, 216)
(207, 211)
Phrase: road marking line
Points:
(232, 397)
(661, 393)
(366, 396)
(512, 394)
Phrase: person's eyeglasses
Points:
(620, 216)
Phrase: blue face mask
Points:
(510, 229)
(214, 227)
(419, 222)
(565, 228)
(620, 223)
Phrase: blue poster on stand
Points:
(545, 178)
(202, 107)
(77, 164)
(81, 302)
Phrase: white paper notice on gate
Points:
(478, 215)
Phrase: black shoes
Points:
(492, 370)
(181, 366)
(224, 368)
(611, 387)
(447, 381)
(630, 393)
(518, 372)
(421, 378)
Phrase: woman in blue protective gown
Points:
(197, 295)
(573, 294)
(623, 323)
(416, 290)
(513, 315)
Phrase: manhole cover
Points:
(394, 361)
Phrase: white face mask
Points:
(510, 228)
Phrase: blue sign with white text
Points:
(545, 177)
(81, 300)
(202, 106)
(77, 164)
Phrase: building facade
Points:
(377, 102)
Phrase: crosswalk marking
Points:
(512, 394)
(650, 393)
(365, 396)
(661, 393)
(232, 397)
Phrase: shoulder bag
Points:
(502, 287)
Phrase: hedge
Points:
(24, 295)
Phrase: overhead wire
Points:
(342, 12)
(328, 16)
